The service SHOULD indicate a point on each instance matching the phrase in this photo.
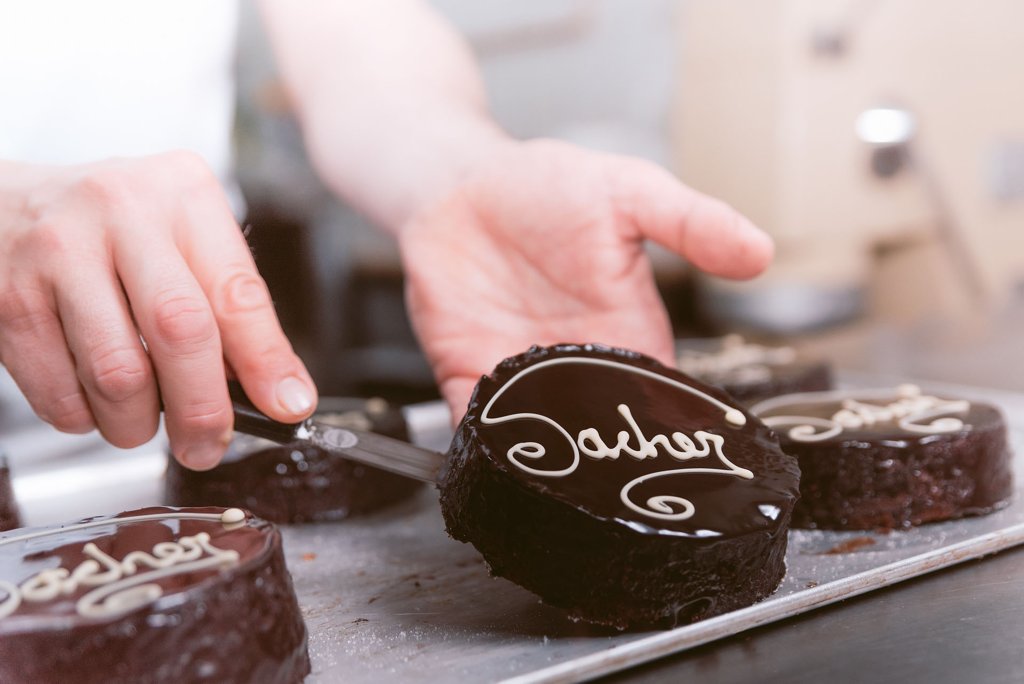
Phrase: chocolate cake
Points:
(9, 517)
(892, 458)
(749, 371)
(618, 489)
(295, 483)
(152, 595)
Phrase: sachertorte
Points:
(9, 517)
(296, 483)
(893, 458)
(618, 489)
(151, 595)
(750, 371)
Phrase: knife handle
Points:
(252, 421)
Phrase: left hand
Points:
(542, 242)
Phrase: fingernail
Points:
(295, 396)
(202, 456)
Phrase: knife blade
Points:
(368, 448)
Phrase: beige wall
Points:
(767, 123)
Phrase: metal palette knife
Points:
(378, 451)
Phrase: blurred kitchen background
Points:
(881, 143)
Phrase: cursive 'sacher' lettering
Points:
(527, 456)
(121, 585)
(680, 446)
(910, 410)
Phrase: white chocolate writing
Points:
(910, 411)
(680, 446)
(633, 442)
(120, 585)
(744, 361)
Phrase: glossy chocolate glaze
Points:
(880, 475)
(63, 548)
(572, 540)
(296, 483)
(584, 396)
(9, 517)
(206, 624)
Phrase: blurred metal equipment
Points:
(886, 127)
(881, 144)
(889, 131)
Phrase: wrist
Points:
(447, 157)
(417, 152)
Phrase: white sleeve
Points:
(82, 81)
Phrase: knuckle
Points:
(183, 320)
(23, 310)
(137, 435)
(68, 413)
(244, 292)
(268, 358)
(107, 186)
(205, 418)
(119, 373)
(46, 241)
(190, 166)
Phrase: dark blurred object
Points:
(335, 280)
(296, 483)
(280, 245)
(9, 518)
(340, 296)
(886, 162)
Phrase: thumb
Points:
(709, 233)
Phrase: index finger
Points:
(181, 334)
(255, 346)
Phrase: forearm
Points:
(389, 97)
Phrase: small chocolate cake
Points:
(296, 483)
(890, 459)
(9, 517)
(153, 595)
(748, 371)
(618, 489)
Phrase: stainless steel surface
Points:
(378, 451)
(389, 596)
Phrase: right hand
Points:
(542, 242)
(91, 258)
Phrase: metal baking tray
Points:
(390, 596)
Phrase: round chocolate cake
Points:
(890, 459)
(152, 595)
(9, 517)
(618, 489)
(296, 483)
(749, 371)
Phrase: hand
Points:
(543, 243)
(92, 257)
